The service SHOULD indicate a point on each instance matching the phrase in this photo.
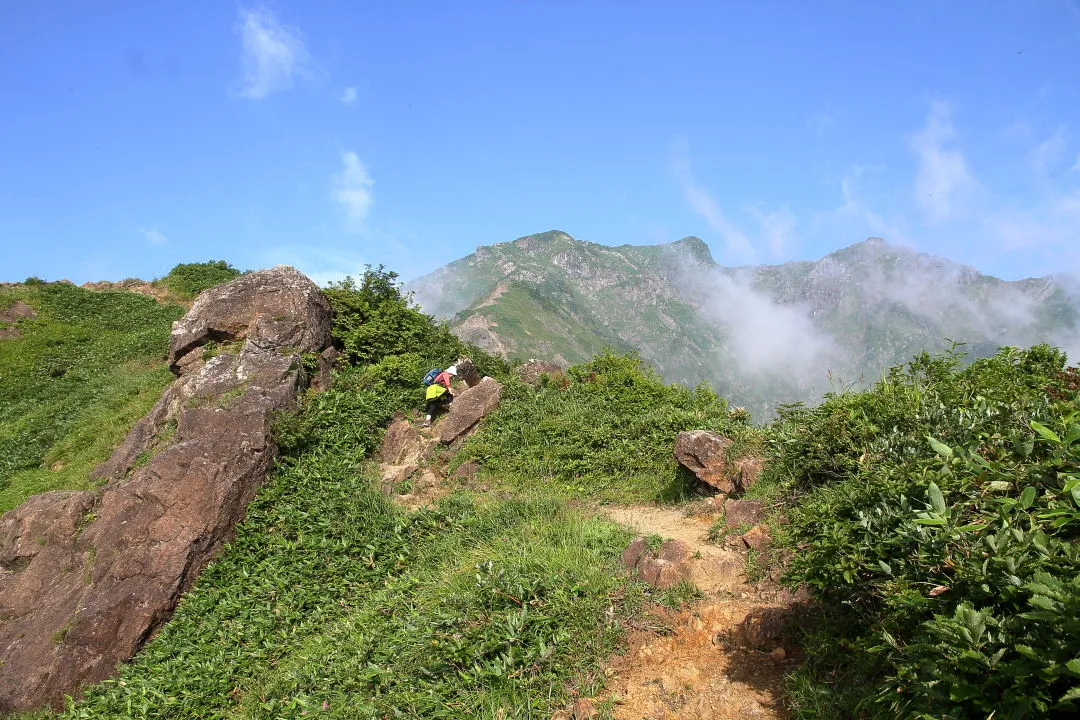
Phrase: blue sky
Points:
(328, 135)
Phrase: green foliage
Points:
(332, 602)
(73, 383)
(187, 280)
(940, 511)
(375, 320)
(606, 431)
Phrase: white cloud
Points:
(348, 96)
(153, 236)
(352, 189)
(1050, 153)
(943, 184)
(273, 54)
(1076, 167)
(776, 229)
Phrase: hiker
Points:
(438, 393)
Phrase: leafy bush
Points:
(187, 280)
(606, 430)
(937, 518)
(374, 320)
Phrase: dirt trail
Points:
(716, 659)
(722, 657)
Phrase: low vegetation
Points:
(936, 517)
(603, 430)
(74, 381)
(187, 280)
(332, 602)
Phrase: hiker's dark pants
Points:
(439, 404)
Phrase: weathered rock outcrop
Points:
(468, 407)
(533, 370)
(87, 577)
(271, 309)
(467, 372)
(705, 454)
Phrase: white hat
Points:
(452, 370)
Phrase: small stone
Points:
(778, 653)
(583, 709)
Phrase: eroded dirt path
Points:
(723, 657)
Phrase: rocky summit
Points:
(761, 335)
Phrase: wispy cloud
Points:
(153, 236)
(272, 54)
(348, 96)
(943, 184)
(1076, 166)
(352, 190)
(775, 230)
(1051, 153)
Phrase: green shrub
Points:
(605, 431)
(375, 320)
(187, 280)
(938, 513)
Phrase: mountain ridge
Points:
(760, 334)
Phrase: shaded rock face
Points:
(468, 407)
(87, 577)
(705, 454)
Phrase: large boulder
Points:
(278, 308)
(468, 407)
(705, 454)
(467, 371)
(87, 577)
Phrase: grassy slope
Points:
(603, 432)
(79, 376)
(332, 602)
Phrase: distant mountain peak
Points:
(694, 247)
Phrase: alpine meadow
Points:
(540, 361)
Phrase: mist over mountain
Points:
(761, 335)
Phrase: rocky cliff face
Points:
(760, 335)
(87, 577)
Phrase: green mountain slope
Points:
(760, 335)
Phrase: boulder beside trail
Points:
(467, 372)
(467, 409)
(705, 454)
(86, 578)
